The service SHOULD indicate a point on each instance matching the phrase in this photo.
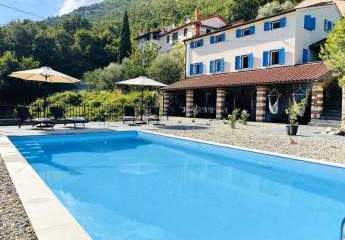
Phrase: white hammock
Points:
(274, 108)
(298, 97)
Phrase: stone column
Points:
(220, 104)
(189, 103)
(166, 96)
(261, 94)
(316, 100)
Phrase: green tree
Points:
(104, 78)
(17, 91)
(333, 54)
(125, 47)
(274, 7)
(168, 67)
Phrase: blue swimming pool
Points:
(136, 186)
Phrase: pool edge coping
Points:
(276, 154)
(49, 218)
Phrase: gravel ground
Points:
(310, 143)
(14, 223)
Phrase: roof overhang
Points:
(309, 72)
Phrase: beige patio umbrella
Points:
(142, 82)
(44, 74)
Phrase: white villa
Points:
(261, 66)
(169, 36)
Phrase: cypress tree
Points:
(125, 47)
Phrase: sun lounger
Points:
(59, 117)
(129, 115)
(25, 118)
(76, 120)
(153, 115)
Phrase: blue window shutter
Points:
(212, 39)
(267, 26)
(237, 62)
(282, 56)
(223, 37)
(283, 22)
(201, 68)
(252, 30)
(191, 44)
(250, 61)
(222, 65)
(305, 55)
(307, 22)
(238, 33)
(312, 23)
(191, 69)
(265, 58)
(201, 42)
(329, 26)
(212, 66)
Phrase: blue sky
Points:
(42, 8)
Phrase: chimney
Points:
(197, 23)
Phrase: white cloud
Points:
(70, 5)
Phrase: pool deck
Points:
(58, 223)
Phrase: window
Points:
(309, 22)
(245, 32)
(185, 32)
(168, 39)
(217, 66)
(274, 57)
(196, 69)
(217, 39)
(280, 23)
(208, 30)
(196, 44)
(328, 26)
(276, 24)
(175, 36)
(244, 62)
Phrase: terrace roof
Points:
(278, 75)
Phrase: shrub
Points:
(232, 118)
(244, 117)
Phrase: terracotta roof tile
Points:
(278, 75)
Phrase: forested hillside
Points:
(84, 43)
(151, 14)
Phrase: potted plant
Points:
(244, 117)
(232, 118)
(292, 111)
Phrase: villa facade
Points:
(169, 36)
(261, 66)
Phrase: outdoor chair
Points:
(153, 115)
(128, 115)
(25, 118)
(59, 117)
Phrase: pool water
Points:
(134, 185)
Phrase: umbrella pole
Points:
(142, 104)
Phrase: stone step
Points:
(325, 123)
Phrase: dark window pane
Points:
(245, 62)
(275, 24)
(274, 57)
(245, 32)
